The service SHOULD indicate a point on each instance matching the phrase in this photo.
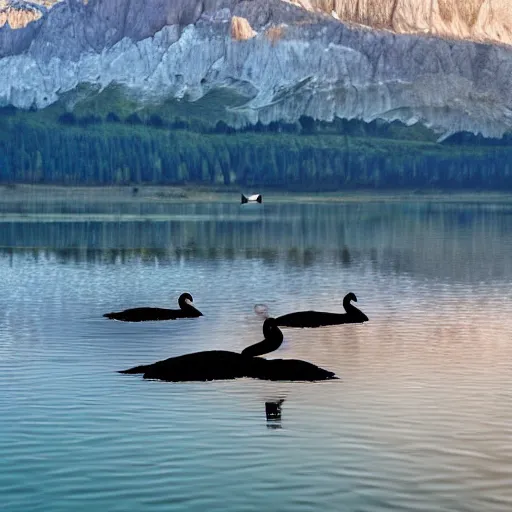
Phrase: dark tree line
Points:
(132, 153)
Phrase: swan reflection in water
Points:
(273, 413)
(222, 364)
(187, 310)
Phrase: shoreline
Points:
(204, 194)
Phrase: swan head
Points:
(351, 297)
(185, 300)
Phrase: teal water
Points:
(421, 418)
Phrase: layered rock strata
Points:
(286, 60)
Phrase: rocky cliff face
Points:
(478, 20)
(285, 59)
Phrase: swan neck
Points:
(347, 305)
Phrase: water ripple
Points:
(421, 418)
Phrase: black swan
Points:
(222, 365)
(187, 310)
(320, 318)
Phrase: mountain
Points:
(273, 60)
(477, 20)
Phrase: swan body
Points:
(187, 310)
(320, 318)
(222, 364)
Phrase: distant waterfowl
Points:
(273, 340)
(222, 365)
(255, 198)
(320, 318)
(187, 310)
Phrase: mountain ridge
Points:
(294, 61)
(476, 20)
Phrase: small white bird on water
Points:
(255, 198)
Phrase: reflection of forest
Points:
(433, 240)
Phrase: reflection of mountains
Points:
(435, 241)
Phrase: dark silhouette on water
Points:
(273, 409)
(273, 340)
(273, 413)
(320, 318)
(222, 365)
(255, 198)
(187, 310)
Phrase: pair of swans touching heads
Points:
(187, 310)
(310, 318)
(223, 364)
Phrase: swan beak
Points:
(189, 302)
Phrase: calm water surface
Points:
(421, 418)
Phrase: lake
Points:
(420, 419)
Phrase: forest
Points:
(93, 149)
